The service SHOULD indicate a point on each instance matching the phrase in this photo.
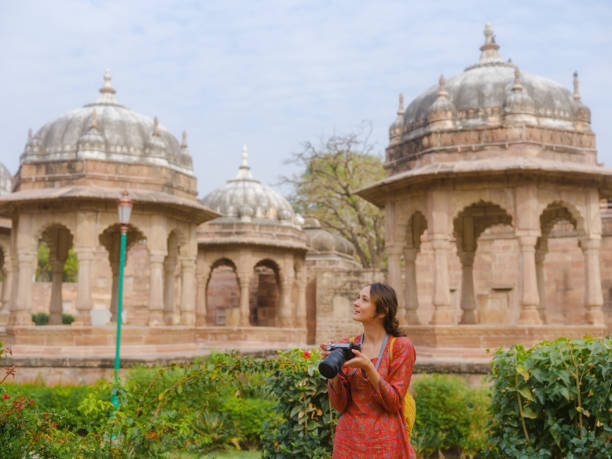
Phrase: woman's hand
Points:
(359, 361)
(324, 353)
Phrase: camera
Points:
(338, 354)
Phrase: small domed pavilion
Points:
(256, 247)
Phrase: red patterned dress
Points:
(371, 423)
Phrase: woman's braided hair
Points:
(384, 298)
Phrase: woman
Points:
(370, 392)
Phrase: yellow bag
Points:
(409, 403)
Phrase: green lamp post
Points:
(125, 210)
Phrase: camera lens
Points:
(332, 363)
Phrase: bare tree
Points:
(340, 165)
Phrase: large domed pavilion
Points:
(65, 194)
(493, 147)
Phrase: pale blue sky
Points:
(273, 74)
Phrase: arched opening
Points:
(264, 294)
(468, 226)
(560, 266)
(135, 278)
(222, 293)
(56, 264)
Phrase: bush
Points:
(42, 318)
(553, 400)
(450, 416)
(306, 419)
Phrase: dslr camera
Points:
(338, 354)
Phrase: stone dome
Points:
(6, 180)
(321, 240)
(106, 130)
(480, 94)
(246, 199)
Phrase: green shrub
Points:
(306, 419)
(42, 318)
(450, 416)
(553, 400)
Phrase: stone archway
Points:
(468, 225)
(110, 239)
(222, 294)
(264, 300)
(59, 240)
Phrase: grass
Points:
(233, 454)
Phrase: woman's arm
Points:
(389, 392)
(338, 388)
(339, 392)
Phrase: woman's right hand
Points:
(324, 353)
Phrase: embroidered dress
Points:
(371, 423)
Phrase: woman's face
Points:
(363, 309)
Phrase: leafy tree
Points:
(44, 271)
(331, 173)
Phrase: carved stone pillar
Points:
(7, 285)
(468, 300)
(285, 313)
(187, 291)
(540, 255)
(530, 300)
(411, 294)
(593, 297)
(300, 278)
(55, 307)
(156, 287)
(201, 305)
(22, 312)
(169, 293)
(394, 253)
(115, 290)
(441, 295)
(242, 318)
(84, 300)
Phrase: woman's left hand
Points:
(359, 361)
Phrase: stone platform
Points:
(78, 354)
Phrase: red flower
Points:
(5, 396)
(55, 424)
(307, 354)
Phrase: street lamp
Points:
(124, 208)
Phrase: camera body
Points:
(338, 354)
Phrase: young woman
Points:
(370, 392)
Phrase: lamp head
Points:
(124, 208)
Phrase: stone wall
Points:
(335, 293)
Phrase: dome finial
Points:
(400, 108)
(107, 91)
(576, 90)
(245, 171)
(155, 126)
(245, 157)
(184, 140)
(442, 88)
(29, 134)
(490, 47)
